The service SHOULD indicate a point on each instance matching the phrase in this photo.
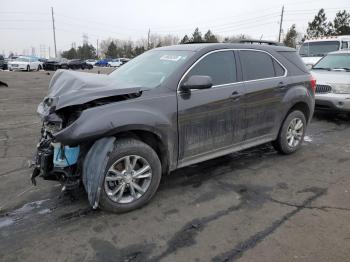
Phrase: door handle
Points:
(235, 96)
(281, 85)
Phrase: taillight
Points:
(313, 84)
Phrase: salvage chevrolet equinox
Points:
(168, 108)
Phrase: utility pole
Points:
(280, 33)
(148, 39)
(97, 48)
(54, 32)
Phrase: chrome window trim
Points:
(238, 82)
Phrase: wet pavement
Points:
(254, 205)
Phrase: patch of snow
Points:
(5, 222)
(307, 139)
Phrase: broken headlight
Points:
(53, 123)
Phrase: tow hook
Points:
(36, 172)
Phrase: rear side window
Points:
(294, 58)
(256, 65)
(220, 66)
(344, 45)
(279, 70)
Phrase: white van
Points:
(313, 49)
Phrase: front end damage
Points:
(54, 160)
(83, 159)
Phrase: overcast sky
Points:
(27, 24)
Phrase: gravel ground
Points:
(254, 205)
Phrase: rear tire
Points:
(131, 198)
(291, 134)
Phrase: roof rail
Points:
(261, 42)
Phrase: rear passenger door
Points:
(208, 119)
(264, 88)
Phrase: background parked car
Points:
(124, 60)
(56, 63)
(103, 62)
(333, 82)
(115, 62)
(24, 63)
(91, 61)
(2, 62)
(312, 50)
(78, 64)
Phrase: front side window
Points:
(220, 66)
(318, 48)
(152, 68)
(258, 65)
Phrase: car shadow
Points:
(332, 117)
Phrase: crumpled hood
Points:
(69, 88)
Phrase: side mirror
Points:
(309, 66)
(197, 82)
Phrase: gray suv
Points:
(169, 108)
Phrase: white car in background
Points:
(24, 63)
(115, 62)
(313, 49)
(91, 61)
(332, 75)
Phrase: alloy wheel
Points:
(295, 132)
(128, 179)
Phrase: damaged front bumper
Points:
(72, 165)
(54, 161)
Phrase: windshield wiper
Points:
(322, 68)
(347, 69)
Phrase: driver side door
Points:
(209, 119)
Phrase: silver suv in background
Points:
(332, 74)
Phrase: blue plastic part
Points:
(65, 156)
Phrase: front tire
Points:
(132, 176)
(291, 134)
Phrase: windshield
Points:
(151, 68)
(334, 61)
(318, 48)
(22, 59)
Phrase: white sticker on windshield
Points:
(174, 58)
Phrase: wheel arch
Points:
(301, 106)
(151, 139)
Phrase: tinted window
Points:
(256, 65)
(279, 71)
(220, 66)
(344, 45)
(295, 59)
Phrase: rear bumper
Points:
(332, 102)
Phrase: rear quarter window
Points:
(294, 58)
